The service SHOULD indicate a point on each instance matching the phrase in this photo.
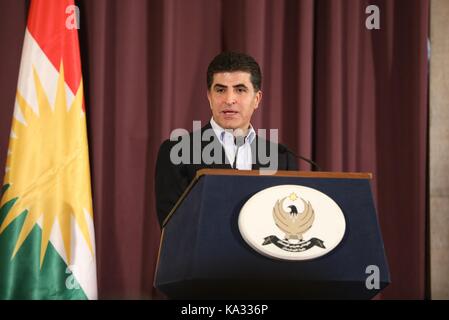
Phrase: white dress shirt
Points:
(226, 138)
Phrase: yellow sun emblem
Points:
(48, 167)
(293, 196)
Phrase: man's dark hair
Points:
(233, 61)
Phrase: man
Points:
(234, 93)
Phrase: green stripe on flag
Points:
(21, 277)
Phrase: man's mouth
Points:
(229, 112)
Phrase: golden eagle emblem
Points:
(293, 223)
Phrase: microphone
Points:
(283, 148)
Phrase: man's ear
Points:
(257, 98)
(209, 98)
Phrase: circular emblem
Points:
(292, 222)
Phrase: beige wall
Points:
(439, 149)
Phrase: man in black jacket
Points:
(227, 141)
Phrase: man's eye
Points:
(219, 90)
(241, 90)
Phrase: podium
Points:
(203, 254)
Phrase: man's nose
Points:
(230, 98)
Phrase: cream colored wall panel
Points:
(439, 149)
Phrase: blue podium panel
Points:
(203, 255)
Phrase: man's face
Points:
(233, 100)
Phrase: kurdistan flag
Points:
(47, 243)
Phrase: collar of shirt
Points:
(226, 135)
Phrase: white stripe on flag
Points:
(33, 56)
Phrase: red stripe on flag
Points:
(47, 24)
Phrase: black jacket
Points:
(172, 179)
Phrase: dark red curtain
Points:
(350, 98)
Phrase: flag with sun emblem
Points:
(47, 243)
